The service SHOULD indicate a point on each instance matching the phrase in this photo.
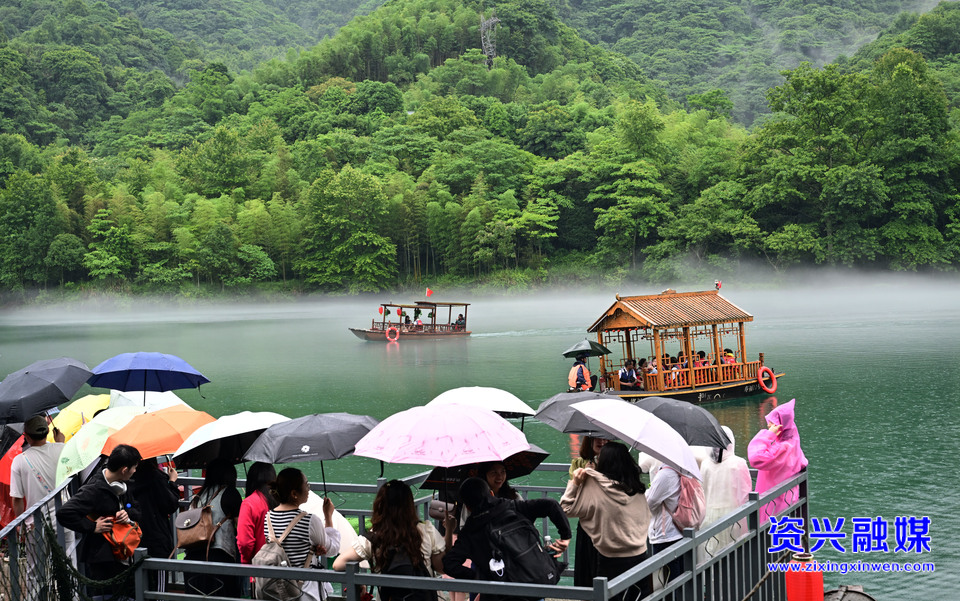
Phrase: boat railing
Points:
(737, 571)
(706, 375)
(379, 326)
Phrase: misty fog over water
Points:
(873, 364)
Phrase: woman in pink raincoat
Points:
(777, 456)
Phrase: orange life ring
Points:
(396, 334)
(769, 389)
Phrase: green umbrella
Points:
(86, 445)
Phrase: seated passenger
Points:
(701, 359)
(648, 368)
(628, 376)
(728, 357)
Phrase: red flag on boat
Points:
(429, 292)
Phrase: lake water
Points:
(873, 366)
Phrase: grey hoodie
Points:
(616, 522)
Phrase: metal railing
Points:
(737, 572)
(26, 568)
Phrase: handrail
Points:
(746, 557)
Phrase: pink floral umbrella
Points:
(443, 436)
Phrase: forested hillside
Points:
(244, 34)
(394, 153)
(695, 46)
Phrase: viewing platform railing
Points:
(737, 572)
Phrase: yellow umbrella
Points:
(77, 413)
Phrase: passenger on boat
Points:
(674, 369)
(461, 321)
(648, 368)
(701, 359)
(579, 377)
(628, 376)
(728, 357)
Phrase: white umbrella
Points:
(148, 401)
(229, 438)
(641, 430)
(348, 536)
(494, 399)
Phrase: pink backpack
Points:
(691, 505)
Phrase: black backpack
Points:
(516, 541)
(399, 564)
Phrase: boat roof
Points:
(425, 304)
(670, 309)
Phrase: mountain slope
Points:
(694, 46)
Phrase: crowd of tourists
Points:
(621, 520)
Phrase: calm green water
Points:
(874, 367)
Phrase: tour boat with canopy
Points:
(674, 324)
(418, 320)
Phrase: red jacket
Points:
(250, 535)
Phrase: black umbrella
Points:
(315, 437)
(557, 413)
(40, 386)
(695, 424)
(586, 347)
(9, 434)
(447, 479)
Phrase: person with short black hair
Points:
(105, 499)
(33, 477)
(628, 376)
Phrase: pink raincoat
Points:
(777, 458)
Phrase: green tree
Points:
(342, 247)
(28, 225)
(632, 208)
(65, 255)
(111, 251)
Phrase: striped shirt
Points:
(308, 532)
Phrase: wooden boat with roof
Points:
(417, 321)
(677, 326)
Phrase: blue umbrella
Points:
(146, 371)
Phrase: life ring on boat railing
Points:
(772, 387)
(396, 335)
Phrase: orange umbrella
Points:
(159, 432)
